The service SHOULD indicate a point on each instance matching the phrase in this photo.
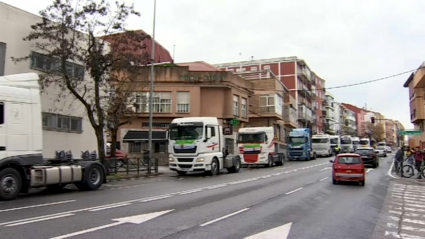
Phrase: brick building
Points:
(295, 75)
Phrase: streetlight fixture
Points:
(152, 89)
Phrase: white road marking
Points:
(219, 186)
(402, 235)
(156, 198)
(224, 217)
(39, 205)
(323, 169)
(391, 170)
(323, 179)
(189, 192)
(113, 206)
(368, 170)
(293, 191)
(38, 220)
(139, 219)
(281, 232)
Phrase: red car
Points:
(348, 168)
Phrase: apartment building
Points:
(360, 118)
(65, 125)
(194, 89)
(349, 122)
(271, 104)
(390, 132)
(294, 74)
(320, 105)
(331, 123)
(416, 85)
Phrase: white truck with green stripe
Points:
(196, 144)
(257, 146)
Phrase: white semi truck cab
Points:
(21, 161)
(196, 144)
(257, 146)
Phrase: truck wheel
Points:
(281, 161)
(236, 167)
(270, 162)
(10, 184)
(214, 167)
(181, 173)
(93, 178)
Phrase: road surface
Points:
(297, 200)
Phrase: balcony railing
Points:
(290, 114)
(304, 73)
(304, 113)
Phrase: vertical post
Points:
(152, 89)
(174, 53)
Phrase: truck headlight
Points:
(200, 160)
(171, 160)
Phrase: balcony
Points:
(417, 109)
(304, 74)
(290, 116)
(270, 106)
(330, 105)
(304, 114)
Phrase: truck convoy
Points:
(356, 142)
(321, 145)
(257, 146)
(21, 162)
(346, 144)
(196, 144)
(299, 145)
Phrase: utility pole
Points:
(152, 89)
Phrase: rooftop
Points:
(261, 61)
(199, 66)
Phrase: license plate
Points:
(184, 169)
(364, 157)
(348, 171)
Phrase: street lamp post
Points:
(152, 89)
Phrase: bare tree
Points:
(376, 131)
(78, 61)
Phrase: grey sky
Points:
(344, 42)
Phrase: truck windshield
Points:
(178, 132)
(364, 142)
(334, 141)
(381, 144)
(297, 140)
(355, 142)
(345, 141)
(251, 138)
(320, 141)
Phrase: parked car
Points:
(368, 156)
(381, 152)
(121, 156)
(349, 168)
(388, 149)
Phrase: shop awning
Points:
(143, 136)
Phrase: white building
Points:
(65, 126)
(330, 113)
(338, 117)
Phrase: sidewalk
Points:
(142, 174)
(403, 213)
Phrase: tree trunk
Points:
(113, 142)
(100, 144)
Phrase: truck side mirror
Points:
(208, 133)
(266, 138)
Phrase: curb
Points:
(134, 177)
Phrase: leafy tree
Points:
(69, 35)
(376, 131)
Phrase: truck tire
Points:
(215, 167)
(270, 162)
(281, 161)
(93, 178)
(236, 167)
(10, 184)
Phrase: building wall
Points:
(320, 97)
(15, 25)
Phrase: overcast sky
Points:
(344, 42)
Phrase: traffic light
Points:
(372, 119)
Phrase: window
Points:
(46, 63)
(230, 70)
(267, 103)
(161, 102)
(243, 108)
(135, 147)
(243, 69)
(1, 113)
(183, 102)
(266, 67)
(62, 123)
(160, 147)
(254, 68)
(236, 105)
(2, 57)
(349, 160)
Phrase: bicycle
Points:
(408, 168)
(422, 169)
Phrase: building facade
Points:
(331, 123)
(180, 92)
(360, 118)
(294, 74)
(65, 125)
(320, 104)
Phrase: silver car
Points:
(381, 152)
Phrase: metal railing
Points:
(127, 166)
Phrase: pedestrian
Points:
(419, 158)
(399, 157)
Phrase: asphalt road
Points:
(297, 199)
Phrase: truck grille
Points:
(185, 151)
(299, 153)
(185, 165)
(185, 160)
